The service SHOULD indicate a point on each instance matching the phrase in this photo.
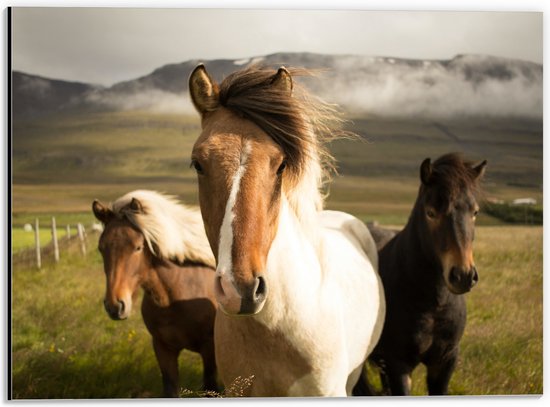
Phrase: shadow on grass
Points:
(102, 374)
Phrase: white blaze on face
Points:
(226, 232)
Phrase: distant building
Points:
(494, 200)
(524, 201)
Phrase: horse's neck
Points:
(418, 255)
(414, 243)
(418, 263)
(293, 267)
(158, 281)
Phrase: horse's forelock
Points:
(455, 174)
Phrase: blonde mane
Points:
(172, 230)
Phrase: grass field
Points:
(65, 346)
(76, 159)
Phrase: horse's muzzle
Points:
(116, 311)
(461, 281)
(243, 299)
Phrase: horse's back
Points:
(193, 281)
(381, 235)
(354, 230)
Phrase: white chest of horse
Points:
(322, 318)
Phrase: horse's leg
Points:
(439, 374)
(209, 366)
(363, 386)
(384, 380)
(398, 378)
(168, 363)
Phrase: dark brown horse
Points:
(178, 305)
(425, 268)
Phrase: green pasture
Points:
(23, 240)
(69, 160)
(65, 346)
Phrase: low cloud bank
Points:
(464, 86)
(151, 100)
(467, 86)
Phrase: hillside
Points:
(62, 163)
(37, 96)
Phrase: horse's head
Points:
(447, 206)
(241, 171)
(125, 258)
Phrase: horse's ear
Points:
(283, 79)
(204, 91)
(479, 169)
(136, 206)
(426, 171)
(101, 212)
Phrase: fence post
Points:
(37, 243)
(81, 237)
(68, 232)
(54, 239)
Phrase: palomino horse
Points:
(425, 268)
(302, 302)
(152, 241)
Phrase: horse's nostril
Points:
(121, 307)
(261, 289)
(453, 275)
(475, 276)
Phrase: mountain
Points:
(467, 85)
(37, 96)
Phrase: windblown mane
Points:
(172, 231)
(299, 123)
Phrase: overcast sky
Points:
(107, 45)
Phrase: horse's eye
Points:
(430, 213)
(475, 214)
(195, 164)
(139, 248)
(281, 167)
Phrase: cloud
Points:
(467, 86)
(151, 100)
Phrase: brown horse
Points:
(143, 231)
(302, 304)
(425, 268)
